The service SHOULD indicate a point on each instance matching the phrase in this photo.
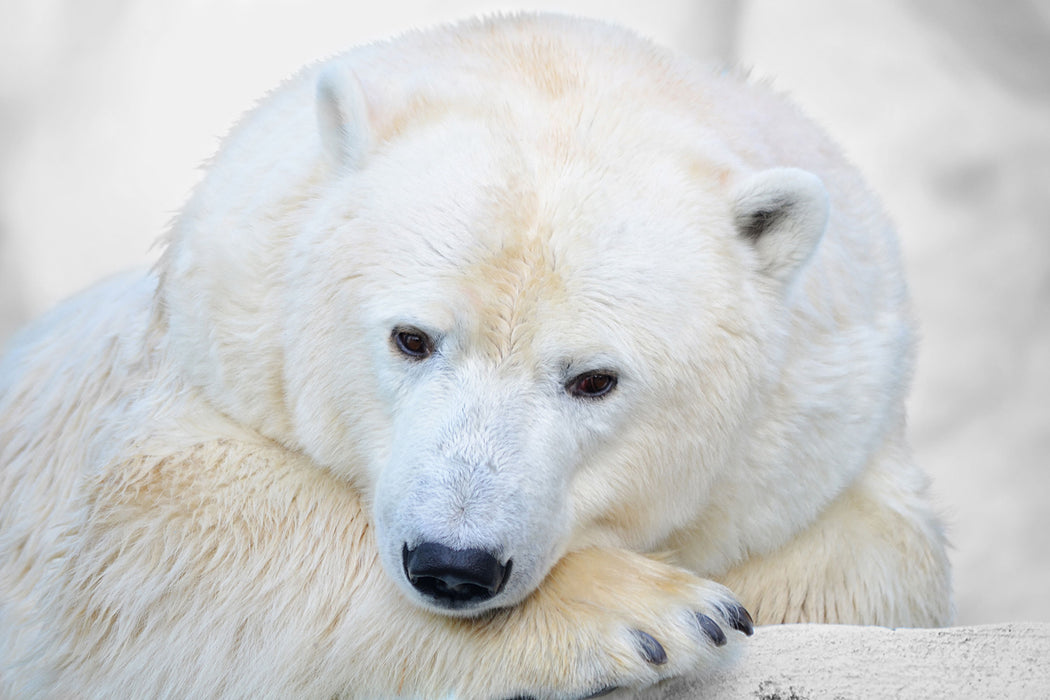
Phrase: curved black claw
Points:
(603, 692)
(739, 618)
(650, 649)
(711, 629)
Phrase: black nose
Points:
(452, 576)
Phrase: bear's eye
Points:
(413, 343)
(591, 385)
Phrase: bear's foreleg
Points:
(236, 570)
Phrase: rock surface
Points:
(807, 662)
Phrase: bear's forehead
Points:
(531, 227)
(510, 291)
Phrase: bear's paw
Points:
(613, 619)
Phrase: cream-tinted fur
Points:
(209, 471)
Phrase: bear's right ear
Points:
(342, 116)
(782, 212)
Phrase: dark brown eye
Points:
(413, 343)
(591, 385)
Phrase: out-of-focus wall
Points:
(107, 108)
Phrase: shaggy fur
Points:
(210, 471)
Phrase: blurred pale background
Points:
(108, 107)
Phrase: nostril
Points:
(454, 575)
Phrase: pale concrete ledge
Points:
(813, 662)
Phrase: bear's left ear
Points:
(342, 116)
(782, 212)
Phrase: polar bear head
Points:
(519, 288)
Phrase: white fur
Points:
(342, 116)
(209, 472)
(796, 205)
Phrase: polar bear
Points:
(512, 358)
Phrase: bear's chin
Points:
(464, 609)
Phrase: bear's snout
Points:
(454, 577)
